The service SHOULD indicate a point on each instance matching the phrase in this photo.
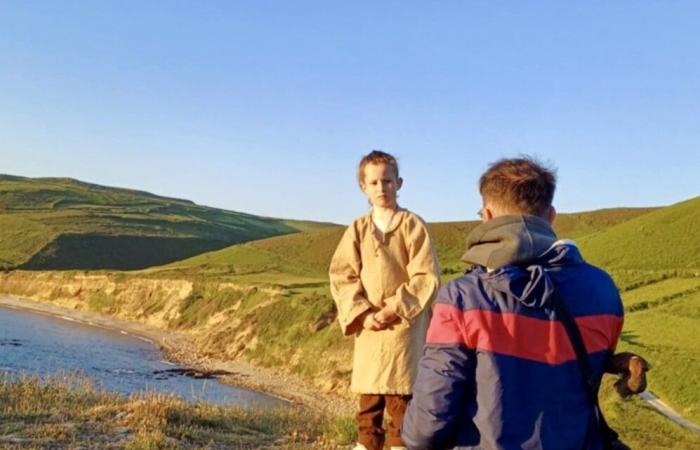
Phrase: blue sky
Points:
(266, 107)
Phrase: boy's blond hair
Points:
(376, 157)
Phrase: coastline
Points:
(177, 348)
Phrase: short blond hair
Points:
(376, 157)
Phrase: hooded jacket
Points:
(499, 371)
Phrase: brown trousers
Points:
(371, 417)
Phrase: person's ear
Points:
(399, 183)
(486, 214)
(551, 215)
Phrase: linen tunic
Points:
(370, 270)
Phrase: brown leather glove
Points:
(632, 370)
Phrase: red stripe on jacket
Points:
(540, 340)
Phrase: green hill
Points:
(308, 254)
(450, 237)
(655, 260)
(290, 330)
(61, 223)
(648, 251)
(289, 260)
(667, 238)
(267, 302)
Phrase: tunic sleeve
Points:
(346, 287)
(416, 294)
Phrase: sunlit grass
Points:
(667, 337)
(68, 411)
(664, 239)
(640, 426)
(656, 293)
(269, 318)
(60, 223)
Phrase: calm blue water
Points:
(37, 343)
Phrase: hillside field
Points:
(661, 301)
(267, 301)
(60, 224)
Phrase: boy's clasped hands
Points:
(379, 319)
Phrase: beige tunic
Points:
(400, 270)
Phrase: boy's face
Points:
(380, 185)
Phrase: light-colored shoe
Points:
(359, 447)
(398, 448)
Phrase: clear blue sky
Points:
(265, 107)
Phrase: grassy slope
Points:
(67, 412)
(297, 265)
(302, 255)
(58, 223)
(308, 254)
(666, 335)
(450, 236)
(303, 259)
(665, 239)
(655, 258)
(282, 330)
(641, 427)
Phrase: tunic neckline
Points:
(400, 214)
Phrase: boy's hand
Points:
(386, 316)
(369, 322)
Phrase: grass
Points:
(657, 293)
(303, 254)
(207, 299)
(664, 239)
(284, 332)
(308, 254)
(450, 237)
(103, 303)
(663, 331)
(68, 412)
(283, 328)
(267, 300)
(21, 237)
(650, 294)
(666, 336)
(640, 426)
(60, 223)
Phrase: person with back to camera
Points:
(383, 276)
(503, 367)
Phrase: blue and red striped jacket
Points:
(499, 371)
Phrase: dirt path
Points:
(177, 348)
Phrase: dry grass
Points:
(67, 412)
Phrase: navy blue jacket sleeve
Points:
(445, 375)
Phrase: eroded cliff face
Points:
(128, 298)
(223, 320)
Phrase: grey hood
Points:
(523, 243)
(505, 240)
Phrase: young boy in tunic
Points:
(384, 275)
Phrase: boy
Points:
(383, 276)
